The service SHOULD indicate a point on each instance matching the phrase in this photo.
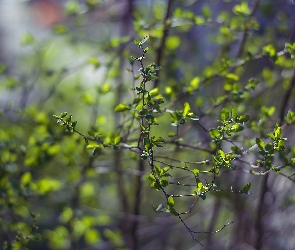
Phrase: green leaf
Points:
(91, 236)
(290, 118)
(60, 29)
(172, 42)
(170, 201)
(234, 113)
(27, 39)
(269, 50)
(26, 178)
(206, 11)
(171, 134)
(269, 147)
(117, 140)
(232, 77)
(173, 211)
(199, 20)
(224, 114)
(196, 172)
(92, 145)
(154, 92)
(290, 48)
(160, 208)
(215, 134)
(244, 118)
(122, 107)
(246, 189)
(242, 8)
(260, 143)
(237, 128)
(186, 109)
(278, 133)
(170, 205)
(94, 61)
(221, 153)
(202, 196)
(72, 7)
(195, 82)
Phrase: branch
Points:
(246, 30)
(161, 48)
(286, 98)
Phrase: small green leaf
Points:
(278, 132)
(232, 77)
(269, 50)
(27, 39)
(170, 201)
(242, 8)
(186, 109)
(159, 208)
(221, 153)
(94, 61)
(195, 82)
(269, 147)
(246, 189)
(26, 178)
(290, 118)
(171, 134)
(154, 92)
(122, 107)
(172, 42)
(224, 114)
(117, 140)
(260, 143)
(72, 7)
(236, 128)
(215, 134)
(202, 196)
(92, 145)
(234, 113)
(199, 20)
(244, 118)
(196, 172)
(60, 29)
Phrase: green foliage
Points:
(189, 119)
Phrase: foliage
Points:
(194, 120)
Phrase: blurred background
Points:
(74, 56)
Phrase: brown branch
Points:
(136, 205)
(286, 97)
(260, 210)
(246, 30)
(160, 50)
(214, 232)
(191, 207)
